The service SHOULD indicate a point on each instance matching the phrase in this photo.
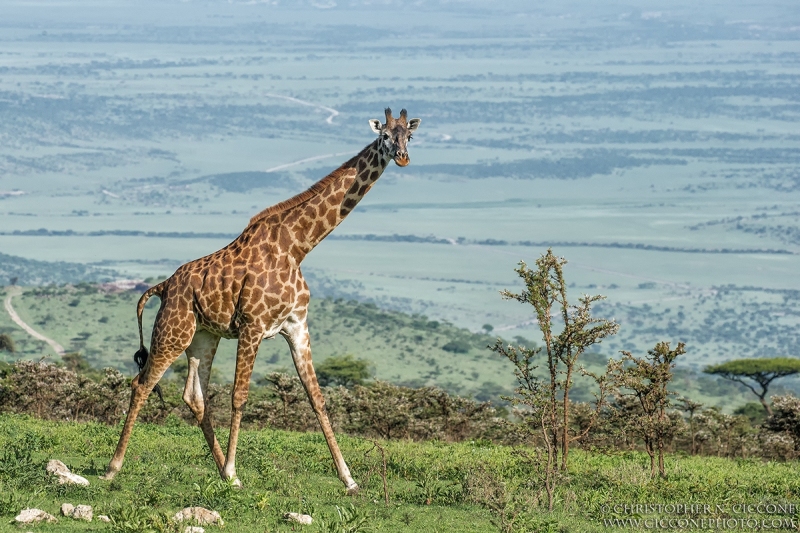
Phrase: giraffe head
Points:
(395, 134)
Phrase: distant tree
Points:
(487, 328)
(647, 380)
(457, 346)
(343, 370)
(76, 362)
(754, 412)
(6, 343)
(761, 371)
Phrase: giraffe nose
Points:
(401, 159)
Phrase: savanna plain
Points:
(656, 149)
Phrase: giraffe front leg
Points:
(296, 334)
(249, 340)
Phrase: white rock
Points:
(304, 519)
(81, 512)
(198, 514)
(103, 518)
(194, 529)
(30, 516)
(57, 468)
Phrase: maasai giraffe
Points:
(253, 290)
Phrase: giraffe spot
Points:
(361, 165)
(319, 228)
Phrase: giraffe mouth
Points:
(401, 160)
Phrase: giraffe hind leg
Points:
(141, 387)
(200, 354)
(168, 344)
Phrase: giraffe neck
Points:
(329, 201)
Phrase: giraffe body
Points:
(253, 289)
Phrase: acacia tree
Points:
(761, 371)
(546, 291)
(647, 379)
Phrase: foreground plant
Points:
(647, 380)
(547, 403)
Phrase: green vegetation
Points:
(400, 348)
(343, 370)
(435, 486)
(761, 371)
(642, 385)
(100, 322)
(7, 343)
(546, 402)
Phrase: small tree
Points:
(545, 289)
(761, 371)
(647, 380)
(535, 394)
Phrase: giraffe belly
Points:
(226, 332)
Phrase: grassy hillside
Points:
(467, 487)
(402, 348)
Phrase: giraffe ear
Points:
(413, 124)
(376, 125)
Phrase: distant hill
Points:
(32, 272)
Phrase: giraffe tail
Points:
(140, 357)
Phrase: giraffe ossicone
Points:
(251, 290)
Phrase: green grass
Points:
(167, 468)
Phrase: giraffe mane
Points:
(309, 193)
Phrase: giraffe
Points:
(251, 290)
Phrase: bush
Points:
(6, 343)
(457, 346)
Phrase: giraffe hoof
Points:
(352, 490)
(108, 476)
(236, 483)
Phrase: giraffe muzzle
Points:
(401, 159)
